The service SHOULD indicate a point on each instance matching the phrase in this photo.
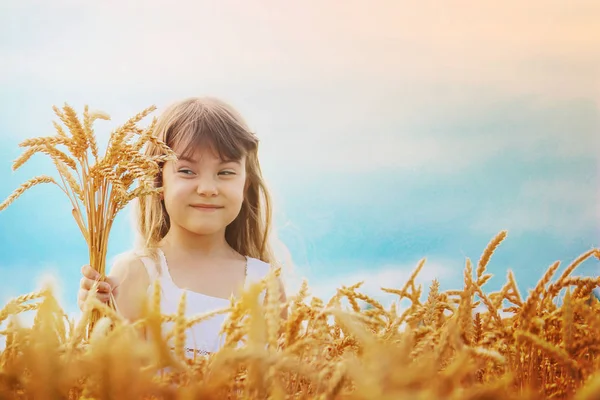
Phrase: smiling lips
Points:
(206, 207)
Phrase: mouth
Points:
(207, 207)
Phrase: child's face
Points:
(203, 194)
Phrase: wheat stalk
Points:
(97, 186)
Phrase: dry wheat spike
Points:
(433, 350)
(98, 186)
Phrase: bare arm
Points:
(133, 282)
(128, 282)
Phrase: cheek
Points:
(241, 188)
(176, 191)
(235, 192)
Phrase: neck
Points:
(181, 240)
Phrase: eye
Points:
(227, 173)
(185, 171)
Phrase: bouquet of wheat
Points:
(97, 186)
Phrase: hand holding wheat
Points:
(90, 282)
(97, 186)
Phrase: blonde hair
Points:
(195, 122)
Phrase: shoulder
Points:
(133, 281)
(131, 266)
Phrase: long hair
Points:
(195, 122)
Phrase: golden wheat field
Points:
(544, 344)
(334, 349)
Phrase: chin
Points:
(205, 225)
(206, 229)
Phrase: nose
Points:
(207, 187)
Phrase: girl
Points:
(207, 233)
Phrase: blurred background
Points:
(390, 130)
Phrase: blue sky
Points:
(390, 134)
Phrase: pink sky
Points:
(511, 45)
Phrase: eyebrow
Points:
(194, 161)
(186, 159)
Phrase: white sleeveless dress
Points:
(204, 337)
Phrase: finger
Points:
(103, 297)
(88, 284)
(82, 294)
(81, 297)
(90, 272)
(85, 283)
(113, 283)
